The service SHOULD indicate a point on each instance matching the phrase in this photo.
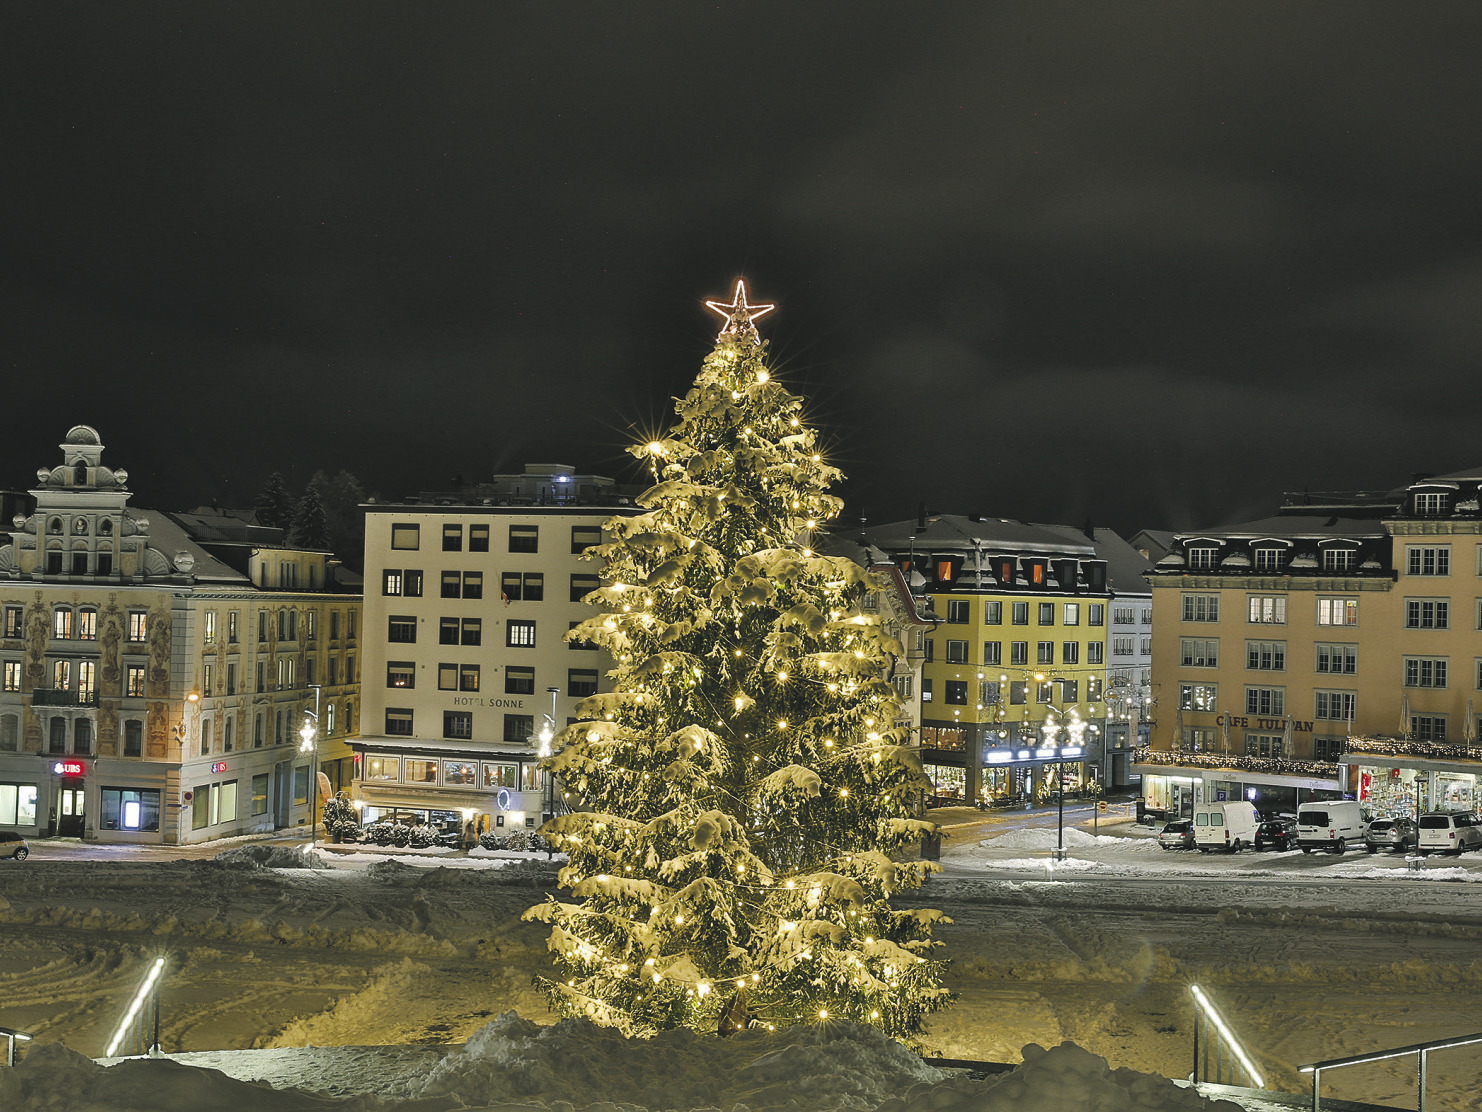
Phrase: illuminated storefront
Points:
(1405, 778)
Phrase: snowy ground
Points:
(413, 955)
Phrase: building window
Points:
(992, 652)
(452, 584)
(1072, 614)
(406, 536)
(582, 585)
(1095, 652)
(398, 722)
(458, 724)
(478, 538)
(472, 633)
(208, 629)
(1430, 503)
(1339, 559)
(519, 681)
(452, 538)
(1070, 652)
(956, 652)
(1425, 671)
(905, 688)
(133, 738)
(1328, 747)
(1264, 745)
(1201, 608)
(61, 675)
(1334, 704)
(520, 635)
(509, 587)
(468, 677)
(1019, 613)
(401, 673)
(208, 675)
(57, 735)
(1427, 559)
(583, 537)
(1199, 652)
(473, 584)
(1337, 611)
(138, 625)
(401, 629)
(1427, 613)
(925, 689)
(61, 623)
(990, 692)
(1339, 660)
(14, 619)
(1266, 701)
(1095, 614)
(129, 809)
(1047, 613)
(1202, 559)
(929, 650)
(958, 610)
(1266, 656)
(524, 538)
(12, 675)
(1428, 727)
(1018, 652)
(447, 631)
(532, 586)
(581, 682)
(956, 694)
(1267, 609)
(447, 677)
(1124, 646)
(285, 673)
(1046, 653)
(391, 581)
(993, 613)
(1123, 615)
(1269, 558)
(518, 727)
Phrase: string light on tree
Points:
(745, 770)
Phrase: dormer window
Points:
(1269, 558)
(1432, 503)
(1339, 559)
(1202, 559)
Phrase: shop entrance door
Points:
(69, 812)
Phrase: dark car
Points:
(1178, 834)
(13, 845)
(1277, 833)
(1395, 834)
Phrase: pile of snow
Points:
(512, 1065)
(272, 855)
(1047, 837)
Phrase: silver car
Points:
(1178, 834)
(1392, 834)
(13, 845)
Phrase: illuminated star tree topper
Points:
(739, 315)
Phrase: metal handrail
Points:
(1418, 1049)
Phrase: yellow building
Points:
(1014, 677)
(158, 668)
(1287, 648)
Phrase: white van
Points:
(1330, 825)
(1226, 826)
(1448, 832)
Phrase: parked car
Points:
(1395, 834)
(1449, 832)
(1278, 833)
(14, 845)
(1178, 834)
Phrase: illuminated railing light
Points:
(1228, 1035)
(139, 998)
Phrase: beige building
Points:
(1288, 648)
(467, 609)
(158, 668)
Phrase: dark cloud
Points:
(1146, 263)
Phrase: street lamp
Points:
(547, 735)
(1049, 730)
(309, 735)
(11, 1037)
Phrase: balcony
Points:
(63, 697)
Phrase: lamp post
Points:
(547, 735)
(11, 1037)
(1048, 732)
(309, 743)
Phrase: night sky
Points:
(1146, 264)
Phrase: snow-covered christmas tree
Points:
(744, 784)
